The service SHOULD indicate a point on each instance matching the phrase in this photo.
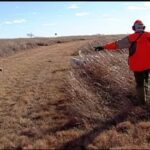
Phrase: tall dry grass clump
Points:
(100, 85)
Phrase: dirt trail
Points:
(30, 90)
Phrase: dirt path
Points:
(30, 91)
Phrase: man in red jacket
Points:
(139, 56)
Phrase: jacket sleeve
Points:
(120, 44)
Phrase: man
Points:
(139, 56)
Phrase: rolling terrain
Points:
(35, 102)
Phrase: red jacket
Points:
(140, 60)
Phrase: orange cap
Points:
(138, 22)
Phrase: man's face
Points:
(139, 27)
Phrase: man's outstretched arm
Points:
(120, 44)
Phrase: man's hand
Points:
(98, 48)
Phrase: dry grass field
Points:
(49, 102)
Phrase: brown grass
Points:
(12, 46)
(102, 96)
(99, 83)
(46, 103)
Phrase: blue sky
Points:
(70, 18)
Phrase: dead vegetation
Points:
(48, 102)
(32, 98)
(12, 46)
(100, 80)
(102, 98)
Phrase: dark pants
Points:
(141, 79)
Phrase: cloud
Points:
(81, 14)
(136, 7)
(142, 6)
(73, 6)
(130, 3)
(146, 4)
(18, 21)
(49, 24)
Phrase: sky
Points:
(44, 19)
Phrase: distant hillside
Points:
(11, 46)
